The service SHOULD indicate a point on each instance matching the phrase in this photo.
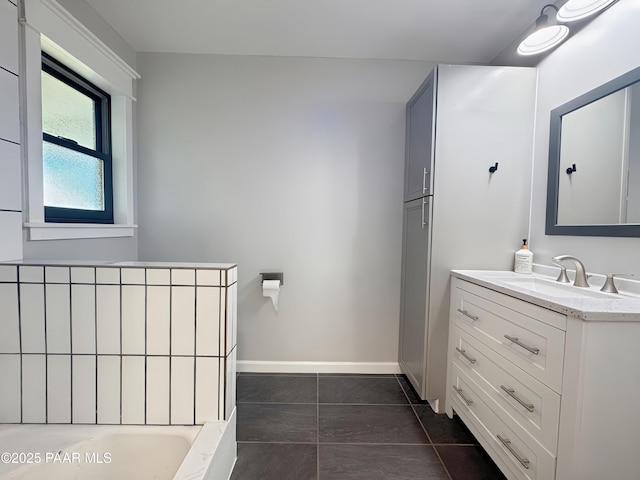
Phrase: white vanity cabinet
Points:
(548, 395)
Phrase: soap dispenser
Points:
(523, 262)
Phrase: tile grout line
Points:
(368, 444)
(430, 442)
(435, 450)
(330, 404)
(317, 427)
(446, 470)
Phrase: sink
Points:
(552, 288)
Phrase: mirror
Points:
(593, 186)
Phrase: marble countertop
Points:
(589, 304)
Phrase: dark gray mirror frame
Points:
(555, 137)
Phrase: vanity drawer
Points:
(515, 396)
(516, 453)
(531, 344)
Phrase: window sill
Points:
(66, 231)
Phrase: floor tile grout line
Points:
(415, 413)
(403, 390)
(431, 444)
(369, 404)
(317, 427)
(331, 404)
(277, 403)
(462, 445)
(319, 375)
(446, 470)
(368, 444)
(424, 429)
(278, 442)
(442, 444)
(397, 444)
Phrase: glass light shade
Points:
(578, 9)
(543, 39)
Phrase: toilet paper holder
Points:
(272, 276)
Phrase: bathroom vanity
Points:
(546, 375)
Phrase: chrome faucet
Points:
(581, 275)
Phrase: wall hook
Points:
(571, 169)
(493, 168)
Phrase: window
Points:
(76, 147)
(50, 28)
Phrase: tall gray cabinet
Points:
(457, 214)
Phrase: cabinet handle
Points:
(515, 340)
(466, 355)
(466, 399)
(467, 314)
(424, 202)
(512, 393)
(507, 444)
(424, 181)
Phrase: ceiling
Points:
(457, 31)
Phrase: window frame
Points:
(103, 145)
(47, 26)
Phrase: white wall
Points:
(287, 164)
(91, 19)
(603, 50)
(10, 171)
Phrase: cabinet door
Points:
(415, 264)
(418, 142)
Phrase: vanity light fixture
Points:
(547, 34)
(578, 9)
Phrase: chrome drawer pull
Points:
(467, 314)
(512, 393)
(515, 340)
(467, 400)
(507, 444)
(466, 355)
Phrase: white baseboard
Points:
(317, 367)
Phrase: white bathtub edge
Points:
(224, 458)
(213, 453)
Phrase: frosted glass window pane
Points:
(72, 179)
(68, 113)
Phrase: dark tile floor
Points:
(349, 427)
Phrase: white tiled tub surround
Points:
(128, 343)
(92, 350)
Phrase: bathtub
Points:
(107, 452)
